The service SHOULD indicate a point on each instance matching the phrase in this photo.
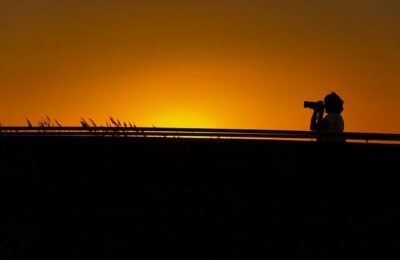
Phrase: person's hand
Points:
(320, 107)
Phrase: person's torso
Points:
(334, 124)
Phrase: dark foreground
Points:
(90, 198)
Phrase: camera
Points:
(319, 105)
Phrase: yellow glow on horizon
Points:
(182, 118)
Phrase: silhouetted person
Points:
(332, 122)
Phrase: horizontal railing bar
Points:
(199, 132)
(147, 129)
(153, 129)
(160, 134)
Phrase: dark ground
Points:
(119, 198)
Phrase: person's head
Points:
(333, 103)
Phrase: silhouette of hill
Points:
(74, 197)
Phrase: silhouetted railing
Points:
(191, 133)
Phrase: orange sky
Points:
(208, 63)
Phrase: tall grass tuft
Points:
(49, 121)
(57, 123)
(84, 123)
(93, 122)
(116, 126)
(45, 123)
(28, 122)
(113, 121)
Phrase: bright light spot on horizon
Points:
(182, 117)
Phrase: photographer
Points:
(332, 122)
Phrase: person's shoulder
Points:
(333, 116)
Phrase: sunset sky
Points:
(206, 63)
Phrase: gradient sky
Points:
(206, 63)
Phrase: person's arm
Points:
(317, 122)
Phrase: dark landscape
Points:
(156, 198)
